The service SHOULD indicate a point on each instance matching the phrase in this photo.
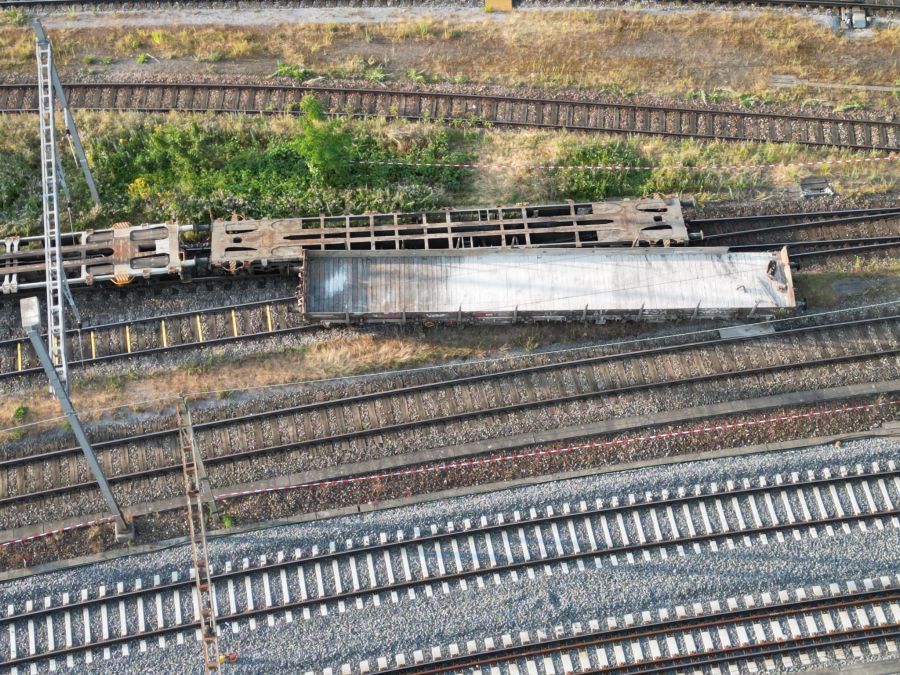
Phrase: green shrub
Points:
(297, 72)
(13, 17)
(587, 184)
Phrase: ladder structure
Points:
(56, 314)
(50, 91)
(71, 129)
(190, 462)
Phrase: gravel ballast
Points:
(527, 604)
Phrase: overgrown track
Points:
(878, 6)
(673, 121)
(328, 432)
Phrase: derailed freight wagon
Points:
(509, 285)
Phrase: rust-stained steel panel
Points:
(260, 243)
(122, 252)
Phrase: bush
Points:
(299, 73)
(588, 185)
(191, 169)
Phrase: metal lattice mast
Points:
(56, 315)
(190, 461)
(71, 129)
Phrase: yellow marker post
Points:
(19, 355)
(199, 329)
(269, 317)
(128, 338)
(93, 346)
(498, 5)
(234, 323)
(165, 336)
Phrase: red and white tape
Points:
(622, 167)
(464, 463)
(623, 440)
(50, 533)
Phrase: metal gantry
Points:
(193, 489)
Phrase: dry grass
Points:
(697, 54)
(363, 353)
(528, 147)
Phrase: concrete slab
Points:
(750, 330)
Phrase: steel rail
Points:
(852, 243)
(873, 5)
(445, 419)
(768, 648)
(866, 212)
(466, 379)
(212, 342)
(181, 346)
(428, 538)
(848, 249)
(73, 332)
(447, 577)
(646, 630)
(459, 574)
(792, 226)
(470, 102)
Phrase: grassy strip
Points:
(729, 57)
(197, 168)
(152, 168)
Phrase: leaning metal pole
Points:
(31, 321)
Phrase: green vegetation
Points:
(600, 183)
(297, 72)
(20, 414)
(832, 289)
(417, 76)
(852, 105)
(196, 168)
(13, 17)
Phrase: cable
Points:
(406, 371)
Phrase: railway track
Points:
(811, 248)
(726, 231)
(878, 6)
(368, 422)
(185, 331)
(162, 334)
(806, 234)
(750, 635)
(673, 121)
(292, 585)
